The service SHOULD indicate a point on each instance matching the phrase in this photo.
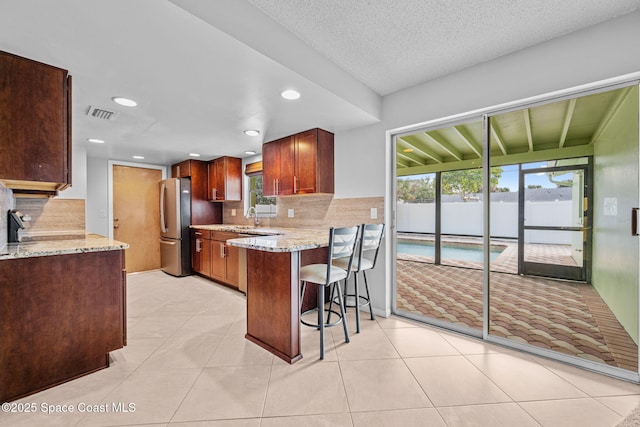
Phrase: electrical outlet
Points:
(374, 213)
(233, 212)
(290, 213)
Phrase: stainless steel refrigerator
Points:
(175, 218)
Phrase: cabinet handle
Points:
(214, 193)
(275, 186)
(198, 242)
(222, 247)
(178, 172)
(197, 233)
(295, 186)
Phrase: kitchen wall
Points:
(7, 203)
(313, 211)
(54, 218)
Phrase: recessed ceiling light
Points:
(252, 132)
(138, 157)
(290, 94)
(194, 154)
(408, 150)
(95, 140)
(125, 101)
(249, 152)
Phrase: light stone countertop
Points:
(38, 248)
(273, 239)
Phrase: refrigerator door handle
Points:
(164, 242)
(163, 222)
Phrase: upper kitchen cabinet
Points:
(202, 212)
(35, 126)
(298, 164)
(225, 179)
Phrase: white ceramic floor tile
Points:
(189, 351)
(593, 384)
(310, 344)
(622, 405)
(523, 379)
(225, 392)
(371, 343)
(217, 324)
(236, 350)
(404, 417)
(453, 380)
(328, 420)
(496, 415)
(135, 353)
(470, 345)
(244, 422)
(155, 394)
(418, 342)
(571, 413)
(156, 326)
(305, 389)
(392, 322)
(375, 385)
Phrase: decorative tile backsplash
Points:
(7, 203)
(313, 211)
(52, 218)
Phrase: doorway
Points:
(554, 238)
(136, 215)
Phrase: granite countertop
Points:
(88, 243)
(274, 239)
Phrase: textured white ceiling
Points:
(393, 44)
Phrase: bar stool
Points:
(342, 244)
(365, 259)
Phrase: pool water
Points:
(464, 253)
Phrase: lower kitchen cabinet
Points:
(60, 317)
(212, 257)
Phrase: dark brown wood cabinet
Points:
(202, 211)
(201, 252)
(60, 317)
(225, 179)
(35, 126)
(299, 164)
(212, 257)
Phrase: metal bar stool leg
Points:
(321, 318)
(357, 292)
(343, 312)
(366, 287)
(333, 290)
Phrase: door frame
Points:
(580, 273)
(113, 163)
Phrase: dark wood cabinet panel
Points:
(201, 252)
(299, 164)
(60, 317)
(218, 261)
(225, 179)
(35, 126)
(202, 211)
(214, 258)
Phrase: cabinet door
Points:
(270, 168)
(233, 270)
(233, 178)
(212, 193)
(218, 260)
(34, 122)
(181, 170)
(287, 166)
(306, 144)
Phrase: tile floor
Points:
(188, 364)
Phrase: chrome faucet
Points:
(256, 221)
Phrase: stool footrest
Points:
(315, 325)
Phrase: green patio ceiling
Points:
(551, 131)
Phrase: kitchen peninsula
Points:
(63, 310)
(273, 260)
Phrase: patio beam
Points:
(411, 157)
(467, 139)
(615, 106)
(420, 147)
(497, 137)
(527, 124)
(567, 121)
(445, 146)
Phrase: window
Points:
(265, 206)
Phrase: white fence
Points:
(465, 218)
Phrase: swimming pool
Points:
(464, 252)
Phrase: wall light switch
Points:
(374, 213)
(290, 213)
(102, 213)
(233, 212)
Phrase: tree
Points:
(466, 182)
(415, 190)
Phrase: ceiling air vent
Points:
(100, 113)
